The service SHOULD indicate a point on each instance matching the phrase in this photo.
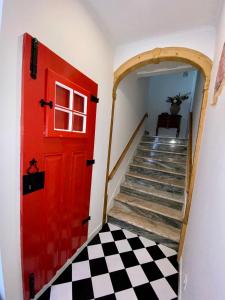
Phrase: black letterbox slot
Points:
(33, 182)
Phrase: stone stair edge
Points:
(147, 225)
(119, 197)
(139, 188)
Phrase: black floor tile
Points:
(66, 276)
(129, 259)
(155, 252)
(152, 271)
(145, 292)
(109, 248)
(120, 280)
(82, 289)
(98, 266)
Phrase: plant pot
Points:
(174, 109)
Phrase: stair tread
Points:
(161, 151)
(160, 229)
(170, 160)
(153, 191)
(165, 144)
(150, 206)
(165, 137)
(168, 181)
(156, 168)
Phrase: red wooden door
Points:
(58, 127)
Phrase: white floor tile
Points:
(163, 290)
(102, 285)
(123, 246)
(136, 275)
(167, 251)
(61, 291)
(143, 256)
(166, 267)
(129, 234)
(106, 237)
(114, 263)
(95, 251)
(146, 242)
(114, 227)
(128, 294)
(81, 270)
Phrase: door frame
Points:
(197, 59)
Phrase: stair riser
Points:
(151, 215)
(152, 198)
(170, 148)
(164, 175)
(173, 141)
(149, 235)
(157, 185)
(162, 164)
(165, 156)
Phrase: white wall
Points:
(201, 39)
(196, 108)
(2, 291)
(65, 27)
(162, 86)
(203, 258)
(130, 108)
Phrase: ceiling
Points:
(129, 20)
(163, 68)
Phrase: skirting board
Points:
(69, 261)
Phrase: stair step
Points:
(152, 211)
(153, 230)
(162, 162)
(156, 170)
(165, 146)
(166, 155)
(169, 185)
(164, 139)
(150, 193)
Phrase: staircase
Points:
(151, 199)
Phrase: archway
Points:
(190, 56)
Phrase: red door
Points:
(58, 127)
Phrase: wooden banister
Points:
(119, 161)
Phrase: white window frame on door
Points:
(70, 109)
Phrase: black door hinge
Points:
(86, 220)
(31, 285)
(43, 103)
(90, 162)
(33, 58)
(94, 99)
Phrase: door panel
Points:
(57, 133)
(53, 193)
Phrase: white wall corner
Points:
(114, 184)
(180, 285)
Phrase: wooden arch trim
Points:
(155, 56)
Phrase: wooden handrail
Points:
(119, 161)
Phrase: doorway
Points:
(155, 56)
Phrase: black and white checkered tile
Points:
(118, 264)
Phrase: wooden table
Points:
(169, 121)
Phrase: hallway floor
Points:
(118, 264)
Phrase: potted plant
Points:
(176, 101)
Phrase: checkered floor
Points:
(118, 264)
